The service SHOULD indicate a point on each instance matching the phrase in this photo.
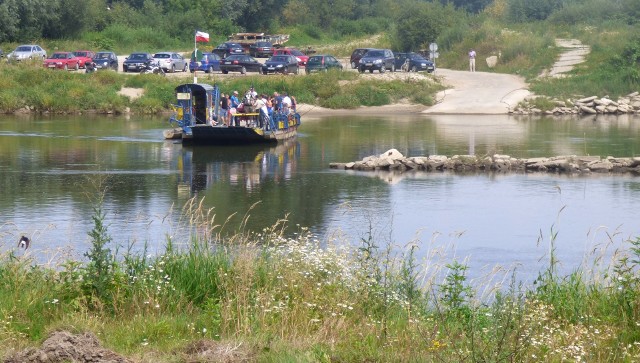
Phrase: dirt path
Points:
(478, 93)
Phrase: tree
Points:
(418, 24)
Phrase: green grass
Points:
(66, 92)
(281, 299)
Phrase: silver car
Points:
(170, 61)
(27, 51)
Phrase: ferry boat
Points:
(196, 115)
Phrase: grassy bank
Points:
(31, 88)
(264, 297)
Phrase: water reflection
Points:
(203, 167)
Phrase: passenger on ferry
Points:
(286, 103)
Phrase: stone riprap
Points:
(629, 104)
(393, 160)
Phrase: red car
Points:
(62, 60)
(85, 56)
(302, 58)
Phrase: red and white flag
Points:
(202, 36)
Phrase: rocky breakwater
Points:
(629, 104)
(393, 160)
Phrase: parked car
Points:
(322, 63)
(261, 49)
(106, 60)
(136, 62)
(84, 56)
(27, 51)
(377, 59)
(414, 62)
(356, 55)
(62, 60)
(240, 63)
(302, 58)
(209, 63)
(284, 64)
(170, 61)
(228, 48)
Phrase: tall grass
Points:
(301, 299)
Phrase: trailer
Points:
(246, 39)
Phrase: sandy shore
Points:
(402, 108)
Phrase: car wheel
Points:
(173, 68)
(393, 68)
(353, 65)
(243, 70)
(225, 71)
(184, 68)
(77, 66)
(371, 70)
(414, 69)
(285, 70)
(383, 69)
(124, 69)
(210, 69)
(361, 70)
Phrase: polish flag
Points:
(202, 36)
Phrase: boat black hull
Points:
(222, 135)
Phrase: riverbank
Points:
(269, 298)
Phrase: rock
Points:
(587, 99)
(492, 61)
(588, 110)
(393, 154)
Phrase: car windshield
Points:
(136, 56)
(281, 58)
(417, 57)
(59, 56)
(80, 54)
(375, 53)
(23, 49)
(315, 60)
(263, 44)
(234, 57)
(296, 52)
(102, 56)
(161, 55)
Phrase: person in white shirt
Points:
(286, 103)
(472, 60)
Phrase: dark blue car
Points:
(413, 62)
(210, 62)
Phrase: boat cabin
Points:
(197, 104)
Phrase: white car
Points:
(171, 61)
(27, 51)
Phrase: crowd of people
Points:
(232, 107)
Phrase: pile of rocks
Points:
(393, 160)
(586, 106)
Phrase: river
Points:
(53, 168)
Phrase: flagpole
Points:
(195, 57)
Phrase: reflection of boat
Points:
(248, 166)
(197, 110)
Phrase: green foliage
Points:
(100, 270)
(419, 24)
(455, 292)
(532, 10)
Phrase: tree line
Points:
(412, 22)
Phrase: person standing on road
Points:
(472, 60)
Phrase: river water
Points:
(52, 168)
